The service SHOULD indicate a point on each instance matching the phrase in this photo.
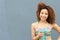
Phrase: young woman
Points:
(41, 30)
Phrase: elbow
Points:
(59, 31)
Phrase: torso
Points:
(45, 29)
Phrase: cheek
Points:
(40, 15)
(46, 16)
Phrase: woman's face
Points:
(44, 14)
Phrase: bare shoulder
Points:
(54, 25)
(34, 24)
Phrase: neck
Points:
(42, 21)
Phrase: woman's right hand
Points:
(40, 34)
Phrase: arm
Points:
(56, 27)
(34, 37)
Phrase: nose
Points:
(43, 15)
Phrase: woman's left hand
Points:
(59, 38)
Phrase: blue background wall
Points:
(16, 17)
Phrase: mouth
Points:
(43, 16)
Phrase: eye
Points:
(41, 12)
(46, 13)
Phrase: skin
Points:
(43, 24)
(59, 38)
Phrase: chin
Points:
(43, 19)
